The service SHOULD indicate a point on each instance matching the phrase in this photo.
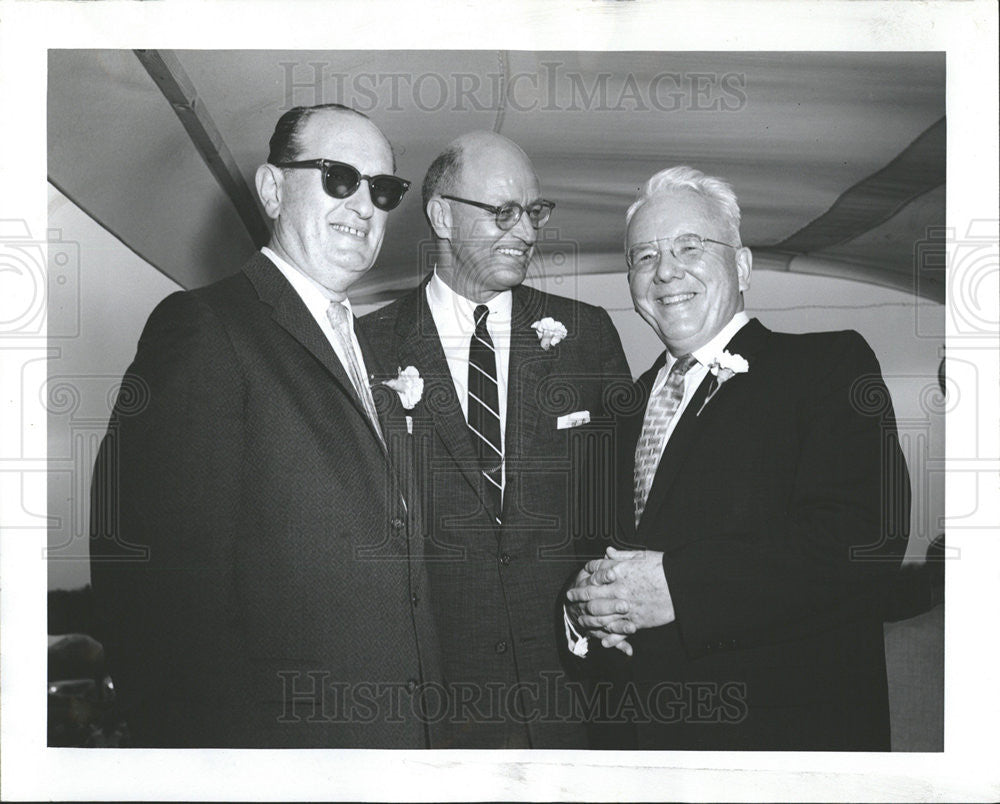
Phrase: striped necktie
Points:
(339, 319)
(484, 408)
(659, 412)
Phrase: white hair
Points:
(684, 177)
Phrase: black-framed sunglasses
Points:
(341, 180)
(508, 214)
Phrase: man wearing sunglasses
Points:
(765, 505)
(513, 440)
(265, 583)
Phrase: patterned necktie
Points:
(484, 408)
(340, 321)
(659, 412)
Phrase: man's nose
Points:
(360, 201)
(669, 267)
(524, 230)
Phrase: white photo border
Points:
(966, 770)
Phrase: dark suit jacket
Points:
(497, 589)
(252, 553)
(781, 508)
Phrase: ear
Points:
(744, 265)
(269, 186)
(439, 216)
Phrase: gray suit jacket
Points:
(496, 589)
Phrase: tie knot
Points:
(683, 364)
(338, 315)
(480, 316)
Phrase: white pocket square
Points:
(573, 419)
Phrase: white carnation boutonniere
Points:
(410, 387)
(724, 368)
(549, 331)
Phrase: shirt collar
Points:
(313, 294)
(711, 350)
(441, 296)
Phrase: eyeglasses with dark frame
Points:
(341, 180)
(509, 213)
(685, 248)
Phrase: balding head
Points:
(478, 258)
(445, 172)
(285, 144)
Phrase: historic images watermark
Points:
(39, 313)
(551, 88)
(314, 697)
(36, 301)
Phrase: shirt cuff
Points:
(575, 641)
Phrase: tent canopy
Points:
(838, 159)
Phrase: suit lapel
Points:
(376, 369)
(528, 364)
(290, 313)
(681, 440)
(420, 346)
(748, 342)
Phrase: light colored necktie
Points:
(659, 412)
(484, 408)
(340, 321)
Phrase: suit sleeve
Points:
(825, 558)
(616, 385)
(165, 498)
(618, 394)
(614, 365)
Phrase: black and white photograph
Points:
(500, 415)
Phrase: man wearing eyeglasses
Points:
(515, 444)
(767, 504)
(263, 593)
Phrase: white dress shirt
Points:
(454, 318)
(317, 299)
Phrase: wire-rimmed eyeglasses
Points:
(685, 248)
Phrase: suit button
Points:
(501, 646)
(505, 559)
(414, 598)
(411, 685)
(397, 523)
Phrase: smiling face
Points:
(333, 240)
(486, 260)
(687, 305)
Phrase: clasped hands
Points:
(614, 596)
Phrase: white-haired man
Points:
(769, 502)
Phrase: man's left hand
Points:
(631, 577)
